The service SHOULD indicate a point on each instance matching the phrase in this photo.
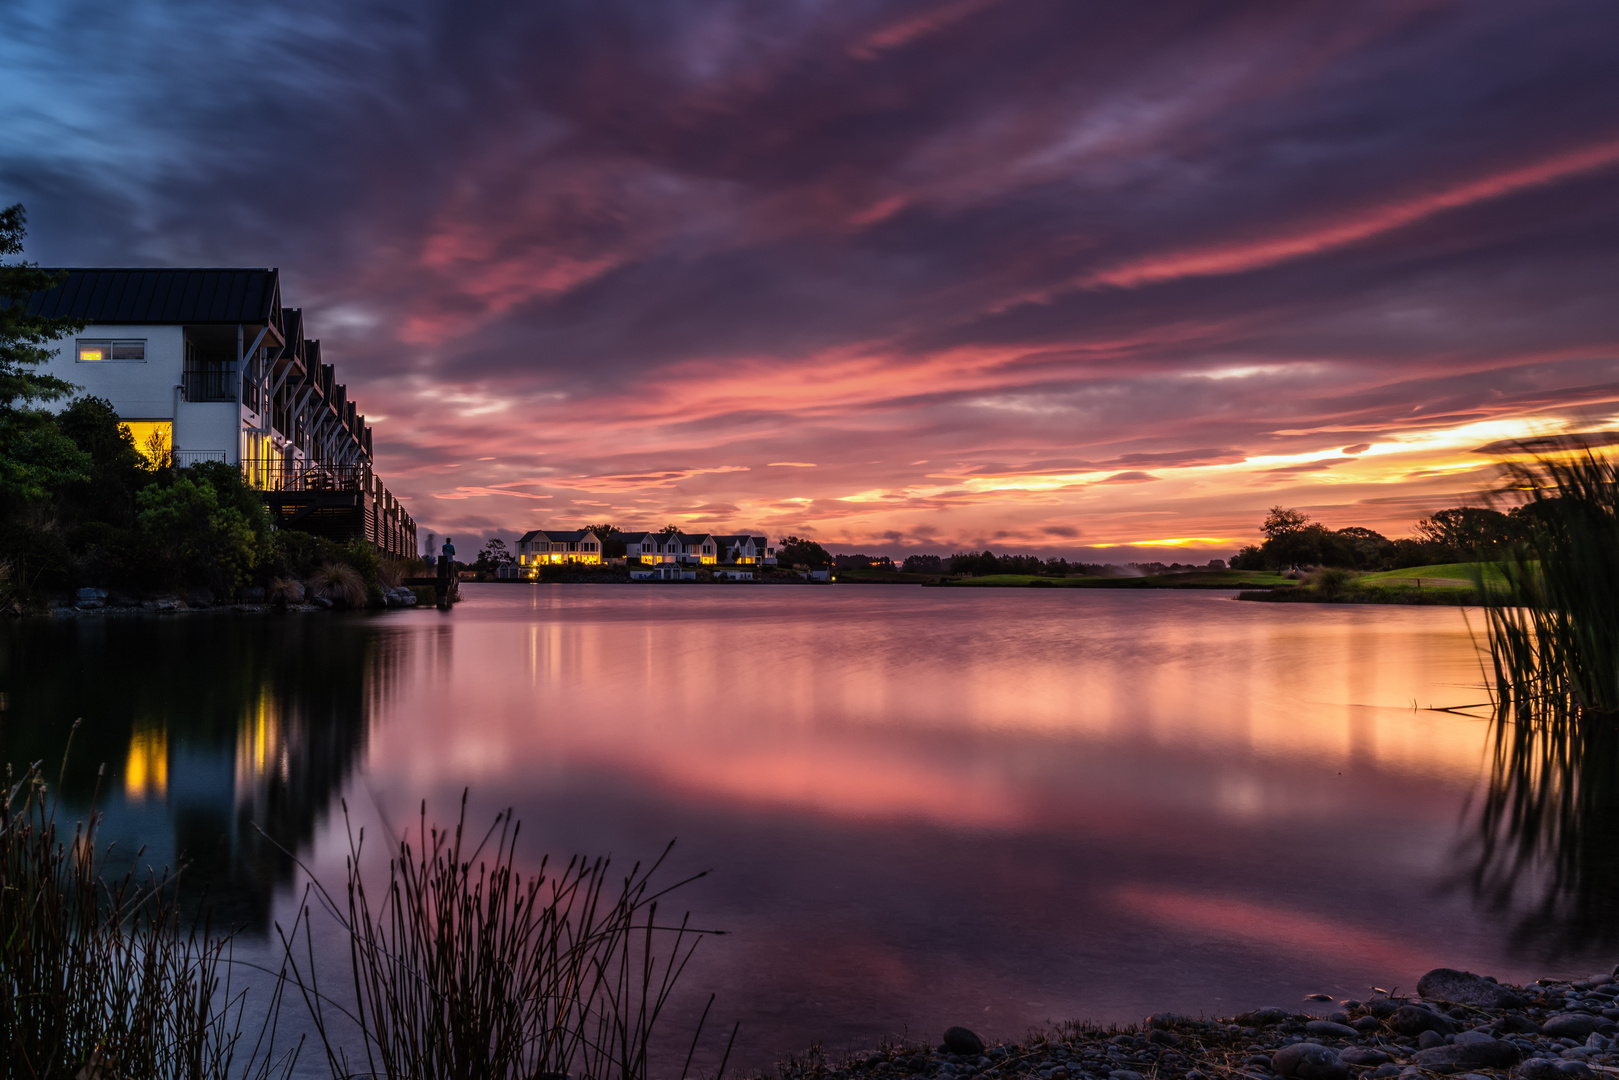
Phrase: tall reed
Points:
(463, 968)
(1554, 626)
(103, 981)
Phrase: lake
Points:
(919, 807)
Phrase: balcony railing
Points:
(277, 475)
(210, 385)
(184, 459)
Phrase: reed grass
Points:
(464, 968)
(1549, 820)
(106, 981)
(1553, 626)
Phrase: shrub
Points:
(285, 590)
(339, 583)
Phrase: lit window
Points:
(154, 439)
(101, 350)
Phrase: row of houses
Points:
(548, 547)
(206, 364)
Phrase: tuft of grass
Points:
(104, 980)
(285, 590)
(339, 583)
(463, 967)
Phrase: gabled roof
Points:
(556, 536)
(149, 295)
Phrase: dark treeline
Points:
(1460, 534)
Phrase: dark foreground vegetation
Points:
(1455, 1023)
(459, 966)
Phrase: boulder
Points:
(1414, 1020)
(1327, 1029)
(1309, 1061)
(91, 599)
(959, 1040)
(164, 602)
(1573, 1025)
(1263, 1017)
(199, 597)
(1463, 1056)
(1465, 988)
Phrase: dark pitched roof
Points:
(159, 296)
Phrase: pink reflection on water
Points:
(928, 806)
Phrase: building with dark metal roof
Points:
(205, 364)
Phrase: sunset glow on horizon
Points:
(895, 275)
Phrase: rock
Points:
(199, 597)
(1123, 1074)
(164, 603)
(1572, 1025)
(1163, 1038)
(1411, 1020)
(1384, 1071)
(1430, 1039)
(1459, 1057)
(1167, 1020)
(1365, 1024)
(1339, 1017)
(1383, 1008)
(1574, 1068)
(253, 595)
(1465, 988)
(1538, 1069)
(1474, 1036)
(1326, 1029)
(91, 599)
(1317, 996)
(122, 598)
(1516, 1023)
(1309, 1061)
(321, 602)
(1362, 1055)
(1265, 1017)
(959, 1040)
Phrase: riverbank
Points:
(90, 601)
(1456, 1023)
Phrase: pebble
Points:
(1329, 1030)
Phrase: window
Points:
(102, 350)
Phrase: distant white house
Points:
(551, 547)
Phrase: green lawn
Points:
(1439, 574)
(1198, 579)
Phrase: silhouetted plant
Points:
(102, 980)
(468, 969)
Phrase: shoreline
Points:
(1456, 1023)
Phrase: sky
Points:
(1049, 276)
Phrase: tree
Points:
(611, 538)
(23, 336)
(923, 564)
(795, 551)
(493, 556)
(1283, 522)
(1469, 530)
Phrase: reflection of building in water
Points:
(211, 729)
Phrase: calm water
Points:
(920, 806)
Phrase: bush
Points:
(341, 584)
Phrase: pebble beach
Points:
(1457, 1024)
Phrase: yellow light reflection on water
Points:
(146, 769)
